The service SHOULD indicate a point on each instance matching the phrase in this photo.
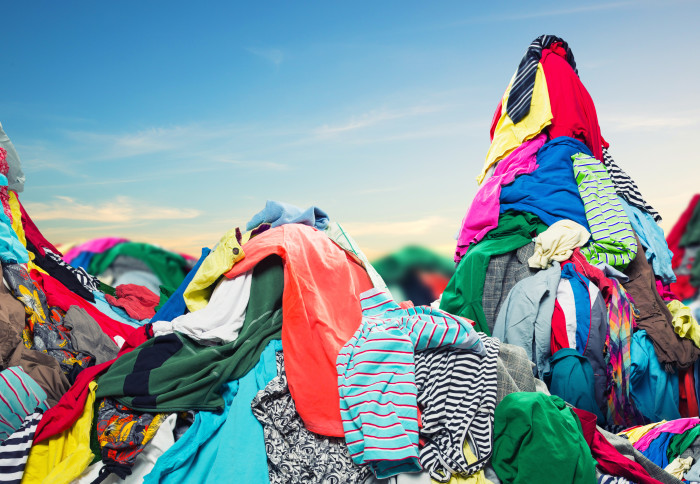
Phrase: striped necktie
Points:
(520, 95)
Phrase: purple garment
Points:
(674, 427)
(484, 210)
(95, 245)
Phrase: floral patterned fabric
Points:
(294, 454)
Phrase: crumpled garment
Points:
(684, 324)
(20, 395)
(558, 243)
(139, 302)
(279, 213)
(679, 466)
(123, 433)
(11, 249)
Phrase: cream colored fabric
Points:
(557, 243)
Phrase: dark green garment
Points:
(537, 438)
(393, 268)
(174, 373)
(691, 236)
(464, 293)
(168, 267)
(680, 443)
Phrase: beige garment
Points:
(679, 466)
(558, 243)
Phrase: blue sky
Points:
(172, 122)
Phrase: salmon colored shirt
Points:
(320, 310)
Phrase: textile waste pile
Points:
(556, 353)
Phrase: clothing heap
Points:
(282, 356)
(117, 261)
(415, 273)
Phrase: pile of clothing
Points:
(117, 261)
(282, 355)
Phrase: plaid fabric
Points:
(504, 272)
(514, 372)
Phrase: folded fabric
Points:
(138, 301)
(536, 192)
(507, 135)
(530, 427)
(571, 378)
(482, 215)
(279, 213)
(612, 238)
(684, 324)
(557, 243)
(86, 335)
(221, 320)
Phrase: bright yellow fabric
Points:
(17, 218)
(508, 136)
(476, 478)
(63, 457)
(220, 260)
(684, 324)
(637, 433)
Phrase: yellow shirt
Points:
(220, 260)
(508, 136)
(684, 324)
(63, 457)
(637, 433)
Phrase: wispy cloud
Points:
(120, 210)
(647, 122)
(274, 56)
(373, 118)
(420, 226)
(568, 11)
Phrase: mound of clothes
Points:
(556, 353)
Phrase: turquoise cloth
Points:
(653, 390)
(11, 249)
(653, 240)
(227, 446)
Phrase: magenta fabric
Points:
(483, 213)
(95, 245)
(677, 426)
(665, 291)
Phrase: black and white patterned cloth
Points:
(294, 454)
(520, 96)
(457, 392)
(626, 187)
(90, 282)
(14, 451)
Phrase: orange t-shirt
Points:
(320, 313)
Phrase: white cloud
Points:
(120, 210)
(274, 56)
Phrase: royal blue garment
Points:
(278, 213)
(571, 377)
(653, 240)
(656, 452)
(82, 259)
(175, 305)
(227, 446)
(653, 390)
(550, 192)
(579, 286)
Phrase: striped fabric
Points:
(520, 95)
(621, 408)
(612, 238)
(376, 380)
(626, 187)
(15, 450)
(457, 392)
(19, 396)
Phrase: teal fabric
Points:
(227, 446)
(571, 378)
(654, 391)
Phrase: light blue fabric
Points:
(654, 391)
(175, 305)
(525, 318)
(653, 241)
(11, 249)
(550, 192)
(227, 446)
(278, 213)
(114, 312)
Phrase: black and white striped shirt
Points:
(14, 451)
